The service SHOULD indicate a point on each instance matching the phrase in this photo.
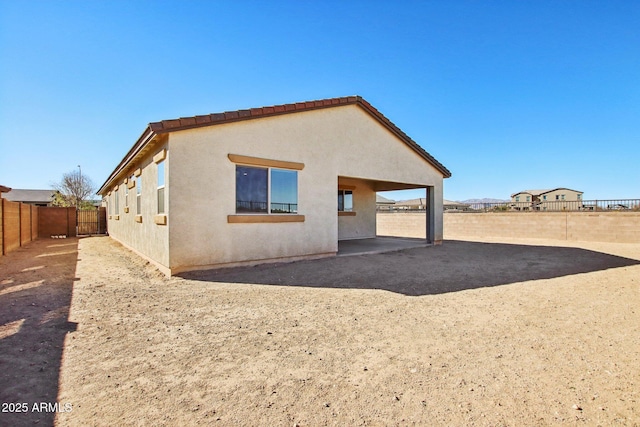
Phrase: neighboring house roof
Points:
(453, 203)
(4, 189)
(29, 196)
(383, 200)
(541, 192)
(183, 123)
(413, 202)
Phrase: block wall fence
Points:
(22, 223)
(617, 227)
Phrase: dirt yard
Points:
(469, 333)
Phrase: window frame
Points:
(161, 210)
(344, 192)
(269, 208)
(265, 217)
(139, 195)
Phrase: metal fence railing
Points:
(609, 205)
(620, 205)
(261, 207)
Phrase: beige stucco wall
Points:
(146, 238)
(402, 224)
(342, 141)
(617, 227)
(363, 224)
(620, 227)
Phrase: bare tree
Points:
(73, 189)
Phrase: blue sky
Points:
(509, 95)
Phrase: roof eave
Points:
(147, 136)
(168, 126)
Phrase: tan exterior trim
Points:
(138, 218)
(137, 172)
(160, 219)
(346, 213)
(247, 219)
(116, 217)
(162, 154)
(131, 184)
(126, 209)
(346, 187)
(257, 161)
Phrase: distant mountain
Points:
(486, 200)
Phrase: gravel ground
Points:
(469, 333)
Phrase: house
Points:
(384, 204)
(557, 199)
(453, 206)
(267, 184)
(32, 197)
(412, 204)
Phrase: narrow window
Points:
(579, 196)
(126, 196)
(517, 198)
(544, 197)
(116, 202)
(138, 193)
(161, 187)
(528, 198)
(563, 197)
(284, 191)
(345, 200)
(557, 197)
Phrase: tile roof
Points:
(183, 123)
(384, 200)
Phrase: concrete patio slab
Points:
(378, 245)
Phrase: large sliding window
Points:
(266, 190)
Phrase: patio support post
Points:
(431, 214)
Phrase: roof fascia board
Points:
(144, 140)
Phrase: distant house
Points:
(267, 184)
(557, 199)
(4, 189)
(450, 205)
(32, 197)
(411, 204)
(384, 204)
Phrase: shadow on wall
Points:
(34, 312)
(454, 266)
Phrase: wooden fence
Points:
(22, 223)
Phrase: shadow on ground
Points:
(454, 266)
(36, 284)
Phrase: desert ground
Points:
(493, 333)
